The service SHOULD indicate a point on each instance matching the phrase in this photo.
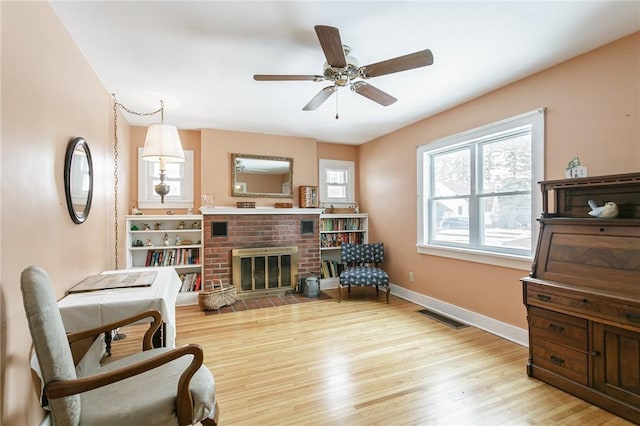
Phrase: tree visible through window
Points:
(478, 188)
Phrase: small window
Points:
(337, 182)
(179, 176)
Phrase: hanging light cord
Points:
(117, 104)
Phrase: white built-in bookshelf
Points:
(168, 240)
(336, 229)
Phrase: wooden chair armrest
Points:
(148, 336)
(184, 402)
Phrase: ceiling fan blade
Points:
(401, 63)
(331, 45)
(319, 99)
(373, 93)
(284, 77)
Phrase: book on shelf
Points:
(190, 281)
(172, 257)
(331, 268)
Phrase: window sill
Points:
(504, 260)
(166, 205)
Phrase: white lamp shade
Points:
(163, 141)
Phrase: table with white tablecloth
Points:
(82, 311)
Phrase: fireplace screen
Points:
(268, 270)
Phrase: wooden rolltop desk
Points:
(583, 293)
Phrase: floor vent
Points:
(441, 318)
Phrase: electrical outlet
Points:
(411, 277)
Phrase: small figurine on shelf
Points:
(195, 225)
(146, 227)
(134, 227)
(178, 241)
(136, 211)
(157, 226)
(138, 243)
(190, 210)
(181, 224)
(608, 211)
(149, 243)
(165, 239)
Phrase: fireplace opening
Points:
(264, 271)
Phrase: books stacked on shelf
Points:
(173, 257)
(191, 281)
(331, 268)
(336, 240)
(340, 224)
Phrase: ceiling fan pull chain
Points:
(337, 116)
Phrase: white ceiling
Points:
(200, 57)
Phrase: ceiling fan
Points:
(342, 70)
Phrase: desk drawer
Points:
(583, 303)
(567, 362)
(559, 328)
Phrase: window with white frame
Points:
(337, 182)
(179, 176)
(477, 191)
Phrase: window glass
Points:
(337, 182)
(179, 176)
(478, 189)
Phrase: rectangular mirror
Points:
(261, 176)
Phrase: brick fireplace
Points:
(227, 229)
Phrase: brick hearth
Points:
(258, 230)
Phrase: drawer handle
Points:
(556, 328)
(595, 353)
(544, 297)
(557, 360)
(633, 317)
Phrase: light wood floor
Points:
(363, 362)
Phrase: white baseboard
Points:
(507, 331)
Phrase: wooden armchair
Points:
(362, 263)
(160, 386)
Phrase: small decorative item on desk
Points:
(216, 295)
(246, 204)
(608, 211)
(574, 169)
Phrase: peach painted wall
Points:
(49, 95)
(190, 141)
(218, 145)
(593, 106)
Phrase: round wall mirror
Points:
(78, 179)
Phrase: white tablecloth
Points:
(82, 311)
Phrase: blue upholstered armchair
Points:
(362, 267)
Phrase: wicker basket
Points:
(215, 295)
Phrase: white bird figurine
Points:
(608, 211)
